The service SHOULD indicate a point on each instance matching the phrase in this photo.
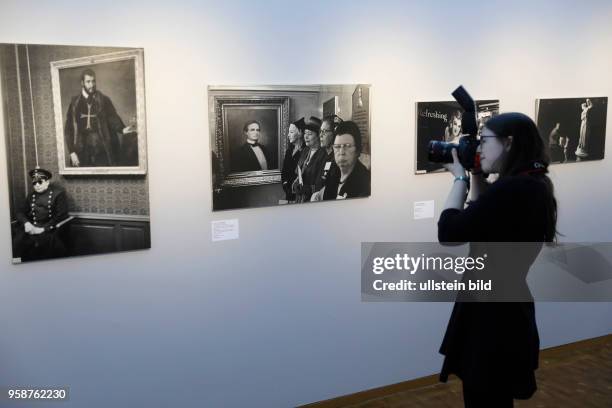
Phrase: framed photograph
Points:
(441, 121)
(75, 142)
(236, 116)
(99, 108)
(274, 145)
(575, 128)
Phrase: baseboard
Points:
(380, 392)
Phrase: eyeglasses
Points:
(345, 145)
(38, 182)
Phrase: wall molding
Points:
(113, 217)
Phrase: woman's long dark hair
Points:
(528, 154)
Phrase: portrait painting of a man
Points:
(248, 137)
(93, 126)
(253, 138)
(99, 110)
(252, 154)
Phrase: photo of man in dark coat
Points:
(252, 155)
(93, 127)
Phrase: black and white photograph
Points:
(244, 120)
(75, 136)
(575, 128)
(277, 145)
(441, 121)
(98, 103)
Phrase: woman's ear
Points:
(508, 143)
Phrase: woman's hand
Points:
(296, 186)
(457, 195)
(455, 167)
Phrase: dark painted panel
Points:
(133, 237)
(88, 236)
(91, 239)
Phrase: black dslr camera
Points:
(441, 152)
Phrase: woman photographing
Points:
(493, 346)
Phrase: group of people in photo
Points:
(322, 161)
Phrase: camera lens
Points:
(440, 152)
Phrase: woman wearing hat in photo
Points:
(310, 162)
(348, 178)
(494, 346)
(326, 137)
(45, 208)
(292, 156)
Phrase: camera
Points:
(441, 152)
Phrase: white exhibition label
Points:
(223, 230)
(423, 209)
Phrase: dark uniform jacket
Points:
(45, 210)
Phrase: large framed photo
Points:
(575, 128)
(273, 145)
(99, 108)
(235, 115)
(75, 140)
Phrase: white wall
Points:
(197, 323)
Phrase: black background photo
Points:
(566, 111)
(432, 128)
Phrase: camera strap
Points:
(535, 167)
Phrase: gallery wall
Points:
(274, 319)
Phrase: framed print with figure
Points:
(99, 107)
(73, 122)
(288, 144)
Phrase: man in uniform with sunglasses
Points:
(36, 236)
